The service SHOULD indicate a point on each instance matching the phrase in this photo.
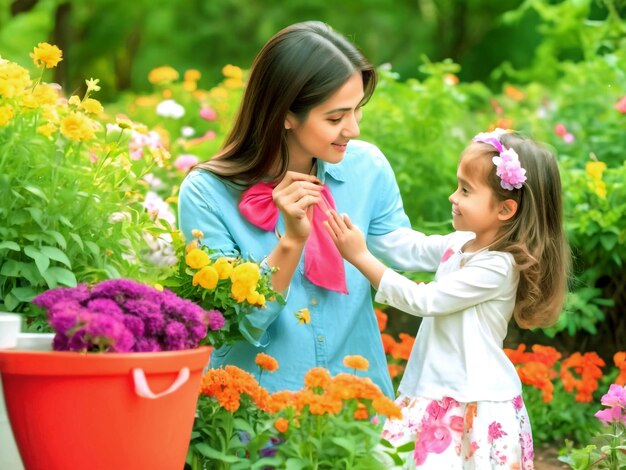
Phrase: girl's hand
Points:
(295, 197)
(347, 237)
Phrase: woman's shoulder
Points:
(366, 157)
(362, 149)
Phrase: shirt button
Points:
(320, 338)
(313, 301)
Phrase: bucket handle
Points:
(143, 389)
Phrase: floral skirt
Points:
(453, 435)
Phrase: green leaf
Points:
(55, 276)
(60, 239)
(65, 221)
(37, 192)
(95, 249)
(37, 215)
(211, 453)
(78, 240)
(9, 245)
(41, 260)
(10, 302)
(24, 294)
(56, 254)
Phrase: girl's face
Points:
(328, 128)
(474, 205)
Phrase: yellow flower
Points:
(246, 273)
(595, 169)
(123, 122)
(196, 233)
(13, 79)
(74, 101)
(239, 291)
(191, 246)
(232, 71)
(92, 84)
(304, 316)
(598, 187)
(207, 277)
(77, 126)
(223, 267)
(197, 259)
(158, 287)
(47, 129)
(233, 83)
(91, 106)
(190, 87)
(252, 297)
(260, 300)
(6, 114)
(46, 55)
(192, 75)
(162, 74)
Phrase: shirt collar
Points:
(336, 170)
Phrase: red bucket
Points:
(131, 411)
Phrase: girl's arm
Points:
(351, 244)
(481, 279)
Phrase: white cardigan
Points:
(466, 309)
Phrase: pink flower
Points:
(435, 439)
(185, 162)
(509, 169)
(207, 113)
(419, 453)
(616, 396)
(568, 138)
(621, 105)
(518, 403)
(495, 431)
(610, 415)
(560, 129)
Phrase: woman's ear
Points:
(290, 121)
(508, 208)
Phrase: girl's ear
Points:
(291, 121)
(508, 208)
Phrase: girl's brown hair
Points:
(297, 69)
(534, 235)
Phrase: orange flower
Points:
(266, 362)
(620, 361)
(317, 377)
(395, 370)
(470, 413)
(402, 350)
(281, 425)
(386, 407)
(587, 368)
(381, 317)
(388, 342)
(356, 362)
(361, 413)
(513, 92)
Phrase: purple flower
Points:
(106, 306)
(121, 315)
(108, 333)
(175, 336)
(215, 320)
(53, 296)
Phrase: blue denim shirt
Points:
(364, 187)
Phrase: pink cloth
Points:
(323, 264)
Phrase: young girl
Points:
(293, 151)
(460, 395)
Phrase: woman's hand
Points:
(347, 237)
(295, 197)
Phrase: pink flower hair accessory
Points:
(508, 167)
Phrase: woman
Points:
(289, 158)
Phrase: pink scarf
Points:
(323, 264)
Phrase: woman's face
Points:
(328, 128)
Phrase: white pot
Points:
(10, 326)
(9, 455)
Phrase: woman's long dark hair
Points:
(297, 69)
